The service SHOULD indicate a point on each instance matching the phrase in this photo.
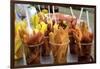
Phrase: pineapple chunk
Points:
(55, 26)
(45, 11)
(20, 25)
(35, 20)
(36, 31)
(43, 28)
(38, 26)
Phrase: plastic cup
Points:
(59, 52)
(34, 54)
(85, 55)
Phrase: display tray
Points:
(49, 59)
(30, 32)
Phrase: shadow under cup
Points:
(85, 55)
(59, 52)
(34, 54)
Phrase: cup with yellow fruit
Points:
(19, 25)
(39, 22)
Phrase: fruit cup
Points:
(34, 53)
(85, 55)
(59, 52)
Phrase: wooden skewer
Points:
(80, 14)
(49, 10)
(29, 28)
(71, 10)
(24, 57)
(39, 7)
(54, 13)
(28, 21)
(78, 21)
(87, 14)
